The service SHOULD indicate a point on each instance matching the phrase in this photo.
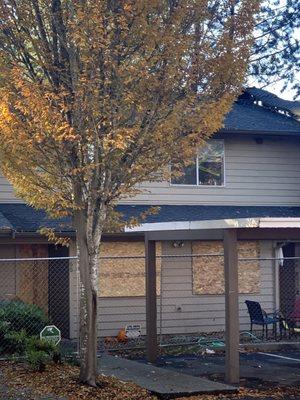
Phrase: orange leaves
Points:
(104, 97)
(5, 115)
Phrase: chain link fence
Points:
(190, 300)
(34, 293)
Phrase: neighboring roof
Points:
(23, 218)
(248, 116)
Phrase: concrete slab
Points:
(278, 368)
(158, 380)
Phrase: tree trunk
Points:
(88, 267)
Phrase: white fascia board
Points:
(218, 224)
(191, 225)
(160, 226)
(226, 223)
(279, 223)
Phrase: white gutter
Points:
(218, 224)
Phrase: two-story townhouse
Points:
(246, 177)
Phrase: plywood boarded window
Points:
(208, 271)
(121, 276)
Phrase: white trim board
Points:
(218, 224)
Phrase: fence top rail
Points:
(143, 257)
(199, 255)
(37, 259)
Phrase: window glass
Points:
(210, 164)
(208, 168)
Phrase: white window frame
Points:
(197, 185)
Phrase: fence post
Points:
(232, 363)
(151, 306)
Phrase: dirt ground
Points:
(60, 382)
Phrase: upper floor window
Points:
(207, 169)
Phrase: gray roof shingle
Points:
(245, 117)
(23, 218)
(169, 213)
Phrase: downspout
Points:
(277, 263)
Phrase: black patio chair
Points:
(259, 317)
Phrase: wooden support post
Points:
(232, 363)
(151, 307)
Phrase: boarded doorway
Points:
(59, 289)
(287, 279)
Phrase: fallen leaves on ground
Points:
(62, 381)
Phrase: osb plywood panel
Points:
(249, 271)
(41, 271)
(24, 274)
(32, 277)
(208, 271)
(124, 277)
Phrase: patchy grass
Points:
(61, 381)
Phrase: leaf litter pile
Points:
(61, 381)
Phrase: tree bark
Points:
(88, 268)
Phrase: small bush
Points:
(20, 325)
(16, 342)
(4, 326)
(23, 316)
(34, 343)
(4, 329)
(38, 353)
(37, 360)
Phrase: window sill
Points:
(196, 186)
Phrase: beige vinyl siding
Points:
(199, 313)
(204, 313)
(7, 194)
(255, 174)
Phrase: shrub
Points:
(20, 325)
(18, 322)
(23, 316)
(4, 326)
(40, 352)
(36, 352)
(37, 359)
(4, 329)
(16, 342)
(34, 343)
